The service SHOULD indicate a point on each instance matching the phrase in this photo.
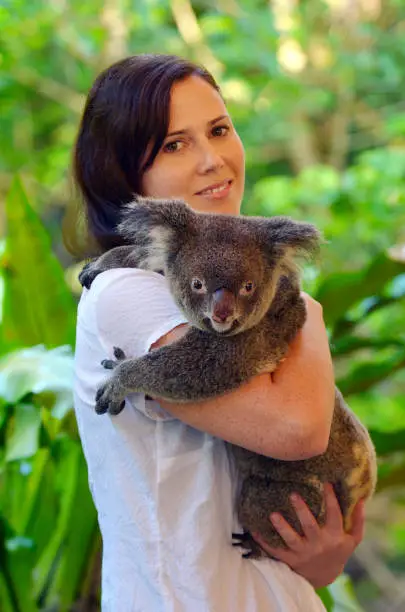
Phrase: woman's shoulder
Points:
(116, 289)
(125, 280)
(120, 289)
(130, 308)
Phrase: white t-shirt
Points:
(163, 491)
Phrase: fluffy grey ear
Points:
(156, 228)
(296, 237)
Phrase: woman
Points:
(159, 472)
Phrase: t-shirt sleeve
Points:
(134, 308)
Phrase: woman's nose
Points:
(210, 158)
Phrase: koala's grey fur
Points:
(236, 334)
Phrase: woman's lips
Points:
(217, 191)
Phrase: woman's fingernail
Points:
(275, 518)
(295, 498)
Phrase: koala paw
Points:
(110, 364)
(247, 543)
(88, 274)
(110, 397)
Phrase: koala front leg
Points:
(110, 397)
(131, 376)
(126, 378)
(119, 257)
(198, 366)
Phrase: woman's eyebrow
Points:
(218, 119)
(185, 130)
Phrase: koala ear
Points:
(285, 234)
(156, 228)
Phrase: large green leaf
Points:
(38, 306)
(343, 594)
(340, 291)
(327, 599)
(15, 571)
(386, 443)
(33, 492)
(23, 440)
(349, 344)
(392, 475)
(40, 371)
(59, 570)
(80, 544)
(339, 596)
(365, 375)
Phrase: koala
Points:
(237, 280)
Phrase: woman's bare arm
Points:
(286, 415)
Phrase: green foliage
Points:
(36, 309)
(315, 90)
(327, 599)
(48, 524)
(343, 596)
(361, 211)
(45, 541)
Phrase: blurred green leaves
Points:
(38, 306)
(23, 441)
(48, 526)
(361, 211)
(40, 371)
(316, 93)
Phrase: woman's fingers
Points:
(308, 522)
(321, 554)
(358, 522)
(289, 535)
(282, 554)
(334, 519)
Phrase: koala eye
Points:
(247, 288)
(197, 285)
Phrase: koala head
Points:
(223, 270)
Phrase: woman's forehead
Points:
(194, 101)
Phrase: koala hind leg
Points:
(260, 497)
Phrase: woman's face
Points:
(202, 159)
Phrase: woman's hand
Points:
(321, 554)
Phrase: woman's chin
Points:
(226, 206)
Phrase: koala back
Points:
(349, 464)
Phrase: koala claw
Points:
(110, 364)
(88, 274)
(110, 396)
(109, 399)
(246, 541)
(119, 353)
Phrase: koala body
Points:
(237, 281)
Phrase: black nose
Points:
(223, 305)
(220, 317)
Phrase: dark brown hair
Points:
(124, 124)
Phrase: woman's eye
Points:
(220, 130)
(173, 147)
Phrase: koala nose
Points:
(223, 305)
(220, 317)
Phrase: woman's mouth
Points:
(216, 191)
